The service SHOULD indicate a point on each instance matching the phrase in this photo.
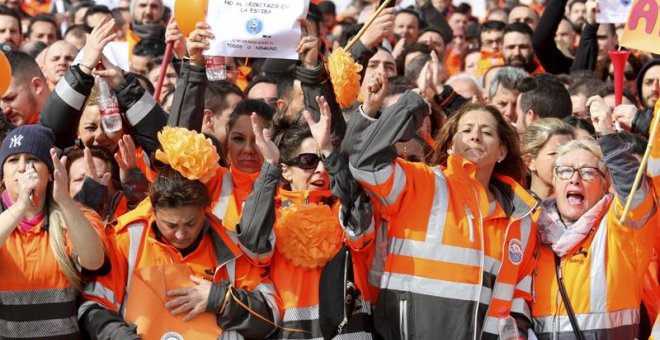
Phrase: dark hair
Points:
(223, 162)
(33, 48)
(149, 47)
(408, 49)
(79, 6)
(545, 95)
(23, 66)
(436, 31)
(78, 31)
(246, 107)
(328, 7)
(570, 6)
(587, 86)
(171, 190)
(411, 12)
(637, 142)
(43, 18)
(520, 28)
(260, 79)
(94, 10)
(580, 123)
(285, 86)
(492, 25)
(415, 67)
(608, 89)
(512, 165)
(97, 152)
(289, 139)
(117, 15)
(215, 97)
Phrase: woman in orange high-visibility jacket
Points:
(297, 229)
(45, 240)
(588, 260)
(460, 234)
(177, 272)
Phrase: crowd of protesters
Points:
(476, 189)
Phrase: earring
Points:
(450, 151)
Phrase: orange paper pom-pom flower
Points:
(345, 77)
(188, 152)
(308, 235)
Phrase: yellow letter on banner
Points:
(642, 31)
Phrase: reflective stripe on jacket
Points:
(445, 255)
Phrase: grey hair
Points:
(590, 145)
(465, 76)
(508, 77)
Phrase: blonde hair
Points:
(57, 241)
(589, 145)
(540, 133)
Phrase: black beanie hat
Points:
(36, 140)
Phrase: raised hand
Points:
(126, 157)
(380, 29)
(112, 74)
(308, 46)
(624, 114)
(321, 129)
(28, 181)
(262, 137)
(376, 92)
(101, 35)
(60, 178)
(601, 114)
(198, 41)
(172, 34)
(91, 172)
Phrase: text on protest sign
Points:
(642, 31)
(255, 28)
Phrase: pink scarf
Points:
(562, 239)
(25, 224)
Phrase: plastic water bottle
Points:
(108, 105)
(216, 68)
(506, 327)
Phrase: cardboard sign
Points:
(642, 30)
(255, 28)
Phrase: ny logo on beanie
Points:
(16, 141)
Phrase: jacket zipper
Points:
(345, 320)
(470, 219)
(403, 318)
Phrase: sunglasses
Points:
(306, 161)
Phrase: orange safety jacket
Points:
(145, 267)
(446, 253)
(298, 287)
(651, 290)
(603, 274)
(36, 299)
(229, 190)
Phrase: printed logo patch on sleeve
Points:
(515, 251)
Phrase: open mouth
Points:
(574, 198)
(318, 183)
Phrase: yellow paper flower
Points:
(190, 153)
(308, 235)
(345, 76)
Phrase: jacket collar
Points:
(287, 197)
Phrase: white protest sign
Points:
(115, 51)
(255, 28)
(613, 11)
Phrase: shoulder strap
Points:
(567, 302)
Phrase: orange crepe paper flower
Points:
(345, 76)
(308, 235)
(188, 152)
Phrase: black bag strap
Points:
(567, 302)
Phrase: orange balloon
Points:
(5, 74)
(188, 13)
